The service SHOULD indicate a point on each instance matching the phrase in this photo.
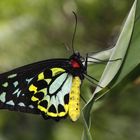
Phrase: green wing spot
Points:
(5, 84)
(10, 103)
(12, 76)
(21, 104)
(2, 97)
(15, 83)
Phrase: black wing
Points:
(13, 85)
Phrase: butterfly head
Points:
(77, 67)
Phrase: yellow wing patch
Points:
(74, 99)
(33, 88)
(37, 97)
(41, 76)
(56, 71)
(43, 109)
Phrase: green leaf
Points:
(124, 49)
(132, 60)
(119, 51)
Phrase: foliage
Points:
(120, 68)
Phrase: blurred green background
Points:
(34, 30)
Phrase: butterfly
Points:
(50, 88)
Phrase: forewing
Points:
(14, 93)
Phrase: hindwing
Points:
(50, 91)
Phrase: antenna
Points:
(73, 37)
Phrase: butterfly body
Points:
(50, 88)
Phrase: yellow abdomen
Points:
(74, 99)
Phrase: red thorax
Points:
(74, 64)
